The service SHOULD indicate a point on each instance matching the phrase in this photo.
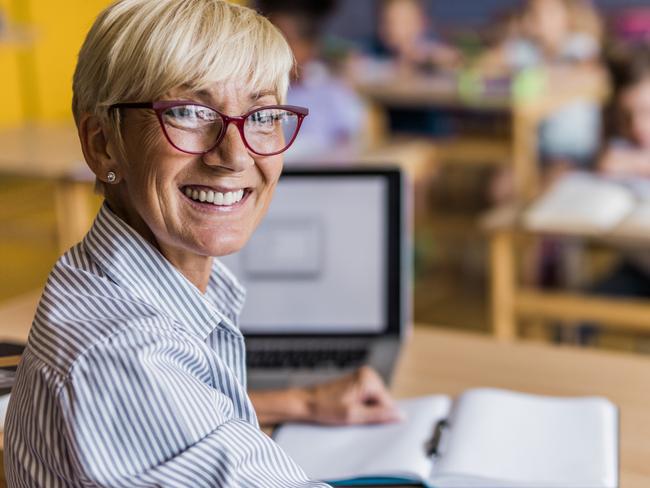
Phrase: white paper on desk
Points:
(638, 186)
(637, 223)
(388, 450)
(581, 203)
(4, 403)
(571, 443)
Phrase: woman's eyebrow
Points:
(261, 94)
(203, 95)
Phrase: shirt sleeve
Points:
(141, 410)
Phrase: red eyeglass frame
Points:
(238, 121)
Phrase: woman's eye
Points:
(190, 116)
(266, 117)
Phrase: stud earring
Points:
(111, 177)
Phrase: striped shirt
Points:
(134, 378)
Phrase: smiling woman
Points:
(134, 372)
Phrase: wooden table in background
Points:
(438, 361)
(561, 87)
(511, 300)
(53, 153)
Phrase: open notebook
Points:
(494, 438)
(587, 203)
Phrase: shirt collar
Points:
(133, 263)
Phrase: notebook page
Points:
(580, 203)
(637, 223)
(532, 441)
(397, 449)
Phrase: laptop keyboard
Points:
(306, 359)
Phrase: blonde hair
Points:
(139, 50)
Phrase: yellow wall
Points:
(45, 69)
(37, 79)
(12, 110)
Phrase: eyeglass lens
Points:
(194, 128)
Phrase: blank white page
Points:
(531, 441)
(397, 449)
(580, 203)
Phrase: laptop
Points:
(327, 275)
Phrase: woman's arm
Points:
(140, 410)
(358, 398)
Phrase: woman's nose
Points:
(231, 152)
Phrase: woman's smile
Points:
(215, 199)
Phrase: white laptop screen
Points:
(318, 262)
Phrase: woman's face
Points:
(635, 104)
(157, 178)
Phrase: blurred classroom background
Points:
(524, 126)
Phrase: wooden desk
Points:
(438, 361)
(16, 317)
(52, 152)
(560, 88)
(511, 300)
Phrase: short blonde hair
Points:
(138, 50)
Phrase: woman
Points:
(134, 370)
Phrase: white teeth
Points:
(218, 198)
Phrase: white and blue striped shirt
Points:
(133, 378)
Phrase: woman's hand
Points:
(358, 398)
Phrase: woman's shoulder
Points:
(81, 307)
(77, 286)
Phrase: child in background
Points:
(337, 115)
(627, 156)
(404, 34)
(552, 33)
(628, 151)
(555, 34)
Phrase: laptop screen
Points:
(319, 261)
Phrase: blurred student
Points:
(627, 153)
(405, 45)
(559, 33)
(337, 115)
(405, 35)
(554, 34)
(626, 157)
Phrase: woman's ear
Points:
(100, 153)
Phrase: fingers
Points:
(374, 404)
(372, 387)
(358, 398)
(373, 414)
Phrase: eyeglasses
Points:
(197, 129)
